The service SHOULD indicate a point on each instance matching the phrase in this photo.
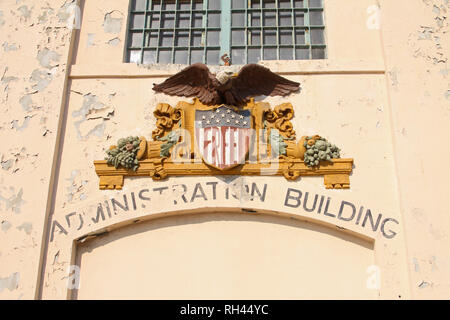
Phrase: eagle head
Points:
(223, 76)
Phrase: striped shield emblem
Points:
(222, 136)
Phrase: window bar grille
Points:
(158, 47)
(246, 32)
(262, 35)
(277, 23)
(141, 57)
(307, 29)
(294, 56)
(150, 20)
(205, 29)
(225, 32)
(190, 32)
(175, 20)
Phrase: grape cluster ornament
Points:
(319, 149)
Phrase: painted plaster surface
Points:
(417, 49)
(277, 267)
(34, 45)
(382, 96)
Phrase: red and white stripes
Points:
(223, 146)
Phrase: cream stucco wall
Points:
(35, 45)
(279, 259)
(381, 95)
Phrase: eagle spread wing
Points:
(195, 80)
(253, 80)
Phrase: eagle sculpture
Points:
(226, 87)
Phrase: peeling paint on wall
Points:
(90, 103)
(2, 20)
(18, 156)
(5, 225)
(25, 123)
(46, 57)
(26, 13)
(14, 202)
(34, 47)
(11, 283)
(93, 113)
(90, 39)
(9, 47)
(44, 15)
(76, 185)
(7, 164)
(114, 42)
(424, 284)
(64, 14)
(41, 79)
(416, 265)
(103, 113)
(6, 80)
(26, 226)
(393, 77)
(426, 42)
(113, 22)
(26, 102)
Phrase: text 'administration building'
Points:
(338, 190)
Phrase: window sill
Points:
(283, 67)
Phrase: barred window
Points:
(190, 31)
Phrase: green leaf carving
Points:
(171, 140)
(124, 154)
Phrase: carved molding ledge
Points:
(336, 174)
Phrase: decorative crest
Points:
(197, 139)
